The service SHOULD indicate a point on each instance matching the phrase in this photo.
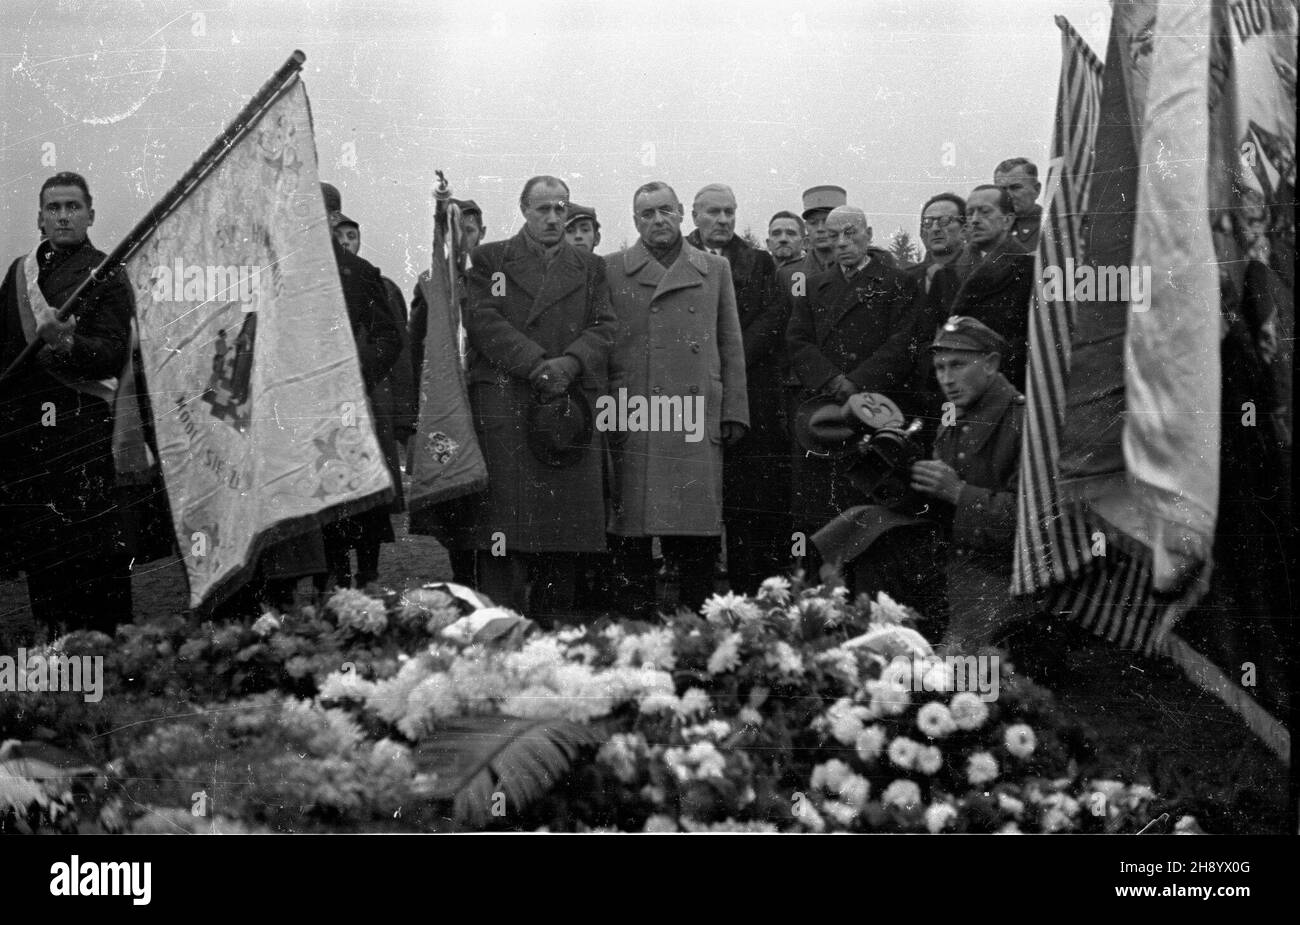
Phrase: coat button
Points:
(654, 308)
(695, 389)
(853, 356)
(695, 348)
(657, 389)
(692, 309)
(961, 455)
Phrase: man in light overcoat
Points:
(680, 353)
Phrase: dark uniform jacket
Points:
(860, 328)
(1024, 233)
(54, 479)
(997, 292)
(984, 447)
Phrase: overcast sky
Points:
(894, 100)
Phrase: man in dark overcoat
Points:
(756, 471)
(1001, 280)
(57, 512)
(850, 333)
(539, 326)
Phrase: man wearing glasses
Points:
(679, 353)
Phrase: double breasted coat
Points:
(521, 310)
(860, 328)
(679, 337)
(997, 292)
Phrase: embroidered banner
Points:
(263, 427)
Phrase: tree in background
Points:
(904, 249)
(748, 237)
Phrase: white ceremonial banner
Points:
(263, 427)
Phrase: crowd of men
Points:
(731, 347)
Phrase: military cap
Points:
(823, 198)
(577, 213)
(961, 332)
(338, 218)
(468, 206)
(333, 199)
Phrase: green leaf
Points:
(476, 758)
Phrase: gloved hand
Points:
(554, 376)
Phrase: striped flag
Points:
(1052, 541)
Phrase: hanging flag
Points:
(1053, 540)
(448, 463)
(263, 427)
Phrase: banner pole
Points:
(205, 164)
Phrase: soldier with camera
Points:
(966, 492)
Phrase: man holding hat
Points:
(972, 479)
(850, 332)
(540, 330)
(967, 492)
(581, 228)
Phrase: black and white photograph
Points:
(606, 417)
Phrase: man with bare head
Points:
(756, 477)
(851, 332)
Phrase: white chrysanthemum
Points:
(726, 657)
(888, 699)
(884, 609)
(840, 813)
(904, 794)
(870, 743)
(968, 711)
(845, 728)
(855, 791)
(358, 610)
(748, 716)
(902, 752)
(659, 824)
(981, 768)
(845, 720)
(675, 759)
(718, 729)
(660, 702)
(653, 794)
(1020, 740)
(1009, 804)
(346, 685)
(695, 702)
(836, 773)
(775, 589)
(810, 818)
(708, 761)
(935, 720)
(1009, 829)
(938, 816)
(653, 647)
(730, 606)
(929, 759)
(266, 624)
(535, 702)
(432, 699)
(785, 659)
